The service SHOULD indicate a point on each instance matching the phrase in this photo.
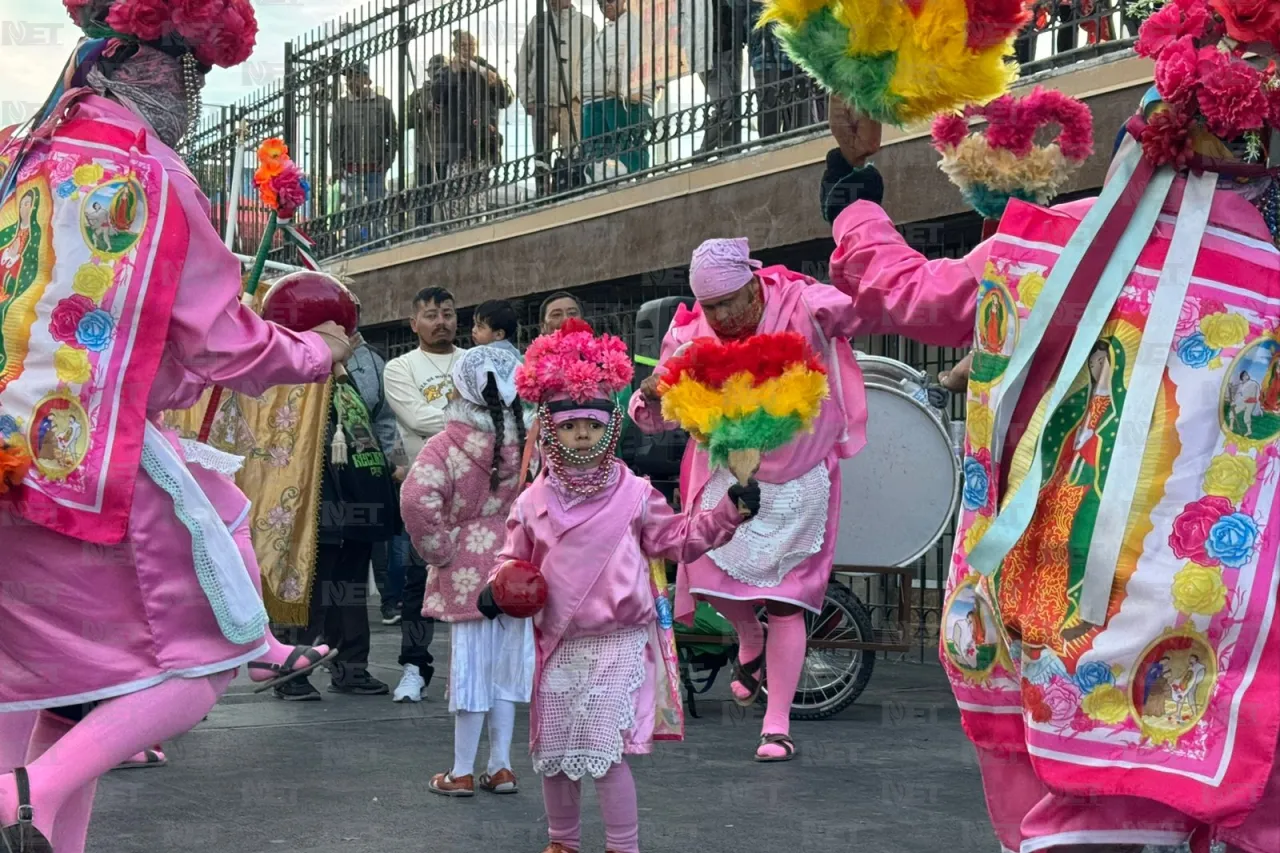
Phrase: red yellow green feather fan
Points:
(744, 398)
(903, 61)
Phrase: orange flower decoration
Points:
(14, 465)
(272, 155)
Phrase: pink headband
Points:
(720, 267)
(573, 414)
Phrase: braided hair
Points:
(493, 402)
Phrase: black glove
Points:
(488, 608)
(747, 496)
(842, 185)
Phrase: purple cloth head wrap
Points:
(721, 267)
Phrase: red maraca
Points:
(303, 300)
(519, 589)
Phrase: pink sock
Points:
(277, 652)
(72, 827)
(616, 791)
(788, 639)
(742, 615)
(15, 734)
(562, 798)
(110, 733)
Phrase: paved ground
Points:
(893, 774)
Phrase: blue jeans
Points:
(362, 188)
(389, 560)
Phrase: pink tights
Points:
(616, 791)
(73, 757)
(277, 652)
(784, 660)
(15, 734)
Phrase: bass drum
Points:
(899, 494)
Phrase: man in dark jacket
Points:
(364, 142)
(358, 510)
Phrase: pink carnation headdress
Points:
(215, 32)
(574, 364)
(574, 374)
(1209, 93)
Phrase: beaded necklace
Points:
(1269, 204)
(565, 461)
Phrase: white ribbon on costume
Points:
(1140, 400)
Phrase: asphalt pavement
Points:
(892, 774)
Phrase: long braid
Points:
(517, 410)
(493, 402)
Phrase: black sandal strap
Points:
(745, 673)
(26, 815)
(783, 741)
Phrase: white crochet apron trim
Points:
(586, 700)
(211, 458)
(789, 528)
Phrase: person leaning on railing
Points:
(618, 95)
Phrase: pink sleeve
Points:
(895, 289)
(426, 492)
(215, 337)
(684, 537)
(832, 310)
(518, 545)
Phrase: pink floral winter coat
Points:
(456, 522)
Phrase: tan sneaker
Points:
(502, 782)
(557, 847)
(446, 786)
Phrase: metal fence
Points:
(414, 117)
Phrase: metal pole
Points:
(237, 178)
(289, 105)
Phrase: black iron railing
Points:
(413, 118)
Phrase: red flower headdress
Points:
(1207, 86)
(217, 32)
(573, 363)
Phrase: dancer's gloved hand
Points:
(746, 497)
(488, 608)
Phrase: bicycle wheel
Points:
(832, 679)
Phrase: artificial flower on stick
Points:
(742, 399)
(283, 189)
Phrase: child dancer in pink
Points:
(590, 525)
(454, 503)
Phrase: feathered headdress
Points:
(572, 363)
(903, 61)
(1002, 161)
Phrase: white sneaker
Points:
(411, 686)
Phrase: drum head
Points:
(899, 493)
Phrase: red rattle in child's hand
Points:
(519, 590)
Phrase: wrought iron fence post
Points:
(290, 106)
(541, 129)
(402, 78)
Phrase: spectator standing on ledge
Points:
(723, 82)
(557, 33)
(421, 117)
(365, 141)
(418, 386)
(468, 95)
(494, 323)
(785, 93)
(610, 105)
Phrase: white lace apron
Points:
(790, 527)
(586, 700)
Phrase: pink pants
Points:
(616, 791)
(1028, 817)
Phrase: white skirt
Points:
(490, 660)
